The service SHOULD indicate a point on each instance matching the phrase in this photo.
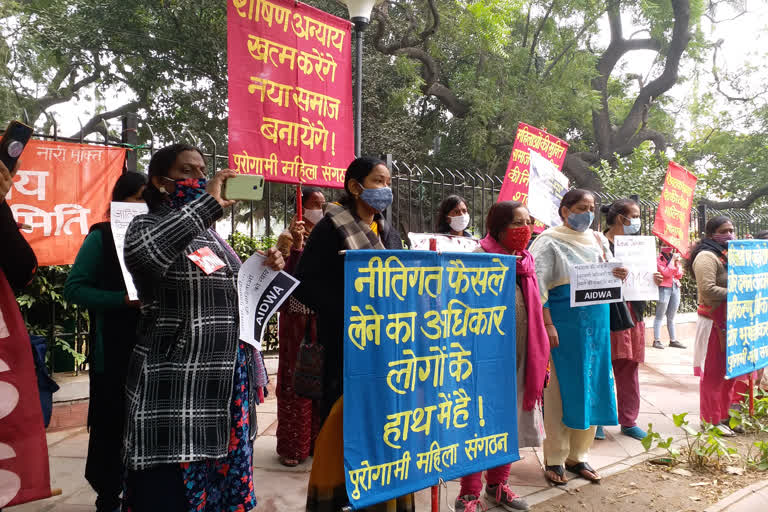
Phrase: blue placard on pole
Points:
(429, 369)
(747, 335)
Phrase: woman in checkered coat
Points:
(187, 434)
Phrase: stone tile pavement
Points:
(667, 387)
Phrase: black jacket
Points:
(17, 260)
(321, 272)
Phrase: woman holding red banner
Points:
(709, 267)
(189, 385)
(509, 231)
(355, 222)
(96, 282)
(580, 394)
(627, 327)
(298, 420)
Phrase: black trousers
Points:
(106, 419)
(158, 489)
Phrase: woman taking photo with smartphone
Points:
(187, 440)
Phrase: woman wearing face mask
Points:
(709, 267)
(96, 282)
(353, 223)
(509, 230)
(297, 423)
(580, 392)
(669, 265)
(189, 393)
(453, 216)
(627, 327)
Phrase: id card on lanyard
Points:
(206, 260)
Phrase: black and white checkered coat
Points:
(181, 372)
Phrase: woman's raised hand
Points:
(216, 185)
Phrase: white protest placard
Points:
(261, 291)
(120, 216)
(638, 253)
(594, 283)
(443, 243)
(546, 188)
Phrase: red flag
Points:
(60, 190)
(24, 470)
(527, 139)
(673, 217)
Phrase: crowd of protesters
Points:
(173, 389)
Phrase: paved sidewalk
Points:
(750, 499)
(667, 387)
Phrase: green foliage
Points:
(245, 246)
(704, 448)
(641, 173)
(43, 306)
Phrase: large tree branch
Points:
(414, 49)
(577, 168)
(96, 123)
(738, 203)
(655, 88)
(718, 85)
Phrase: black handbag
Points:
(621, 319)
(310, 364)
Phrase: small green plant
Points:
(758, 461)
(245, 246)
(705, 448)
(666, 444)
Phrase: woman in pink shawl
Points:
(509, 231)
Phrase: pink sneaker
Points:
(469, 503)
(504, 496)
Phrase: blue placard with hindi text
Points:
(429, 369)
(747, 335)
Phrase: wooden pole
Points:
(751, 394)
(299, 209)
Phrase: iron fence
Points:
(418, 191)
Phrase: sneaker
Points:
(725, 430)
(658, 344)
(600, 434)
(634, 432)
(676, 344)
(502, 495)
(738, 429)
(469, 503)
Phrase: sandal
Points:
(557, 470)
(290, 463)
(584, 470)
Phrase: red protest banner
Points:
(60, 190)
(24, 473)
(673, 217)
(290, 92)
(529, 138)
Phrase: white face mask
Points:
(313, 216)
(459, 223)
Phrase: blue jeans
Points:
(669, 300)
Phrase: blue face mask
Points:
(633, 228)
(580, 221)
(377, 198)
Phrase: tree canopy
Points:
(445, 81)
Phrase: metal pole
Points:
(130, 136)
(359, 27)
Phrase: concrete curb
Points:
(736, 497)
